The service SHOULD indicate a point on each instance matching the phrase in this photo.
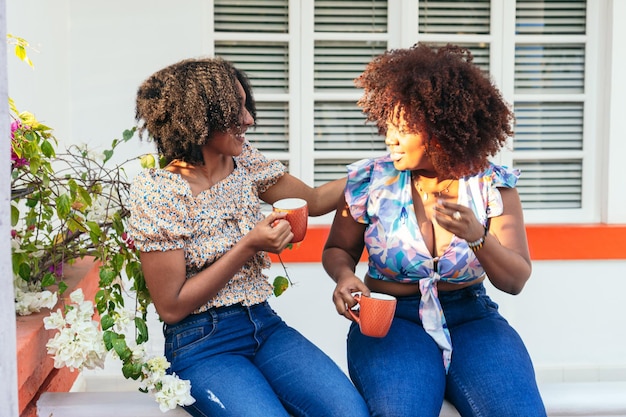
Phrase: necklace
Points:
(436, 194)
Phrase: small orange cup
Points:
(297, 216)
(375, 313)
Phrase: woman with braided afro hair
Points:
(203, 243)
(437, 219)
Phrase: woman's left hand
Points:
(459, 220)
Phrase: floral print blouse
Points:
(380, 197)
(165, 215)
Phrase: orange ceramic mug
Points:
(297, 216)
(375, 313)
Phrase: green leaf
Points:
(47, 149)
(280, 285)
(62, 287)
(128, 134)
(106, 277)
(132, 370)
(75, 223)
(100, 300)
(48, 279)
(24, 271)
(63, 205)
(120, 347)
(107, 322)
(108, 154)
(142, 331)
(107, 337)
(15, 215)
(85, 195)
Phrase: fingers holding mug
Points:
(297, 214)
(375, 314)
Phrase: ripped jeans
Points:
(403, 374)
(245, 361)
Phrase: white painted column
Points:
(616, 206)
(8, 363)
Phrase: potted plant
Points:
(67, 205)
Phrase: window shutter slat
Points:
(550, 17)
(340, 126)
(251, 16)
(549, 68)
(265, 63)
(330, 169)
(364, 16)
(481, 53)
(338, 63)
(549, 184)
(548, 126)
(454, 17)
(271, 132)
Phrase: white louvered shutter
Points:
(347, 35)
(550, 94)
(303, 55)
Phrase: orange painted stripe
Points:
(546, 242)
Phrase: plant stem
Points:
(285, 269)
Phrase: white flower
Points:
(78, 344)
(123, 319)
(99, 211)
(77, 296)
(28, 302)
(174, 391)
(139, 353)
(54, 321)
(154, 370)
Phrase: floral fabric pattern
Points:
(167, 216)
(380, 197)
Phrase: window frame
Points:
(502, 40)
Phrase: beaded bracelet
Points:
(477, 244)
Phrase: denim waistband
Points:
(218, 311)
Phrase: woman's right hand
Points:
(342, 296)
(271, 234)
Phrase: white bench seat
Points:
(573, 399)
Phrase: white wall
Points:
(8, 367)
(571, 315)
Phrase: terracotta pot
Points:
(35, 369)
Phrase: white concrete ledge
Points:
(576, 399)
(562, 399)
(102, 404)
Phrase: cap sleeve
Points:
(262, 171)
(501, 176)
(160, 202)
(357, 189)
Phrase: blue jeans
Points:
(246, 362)
(403, 374)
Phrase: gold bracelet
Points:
(476, 245)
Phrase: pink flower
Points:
(16, 124)
(130, 243)
(16, 161)
(57, 270)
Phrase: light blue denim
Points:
(246, 362)
(403, 375)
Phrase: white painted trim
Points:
(8, 370)
(616, 149)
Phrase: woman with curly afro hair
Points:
(437, 219)
(203, 243)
